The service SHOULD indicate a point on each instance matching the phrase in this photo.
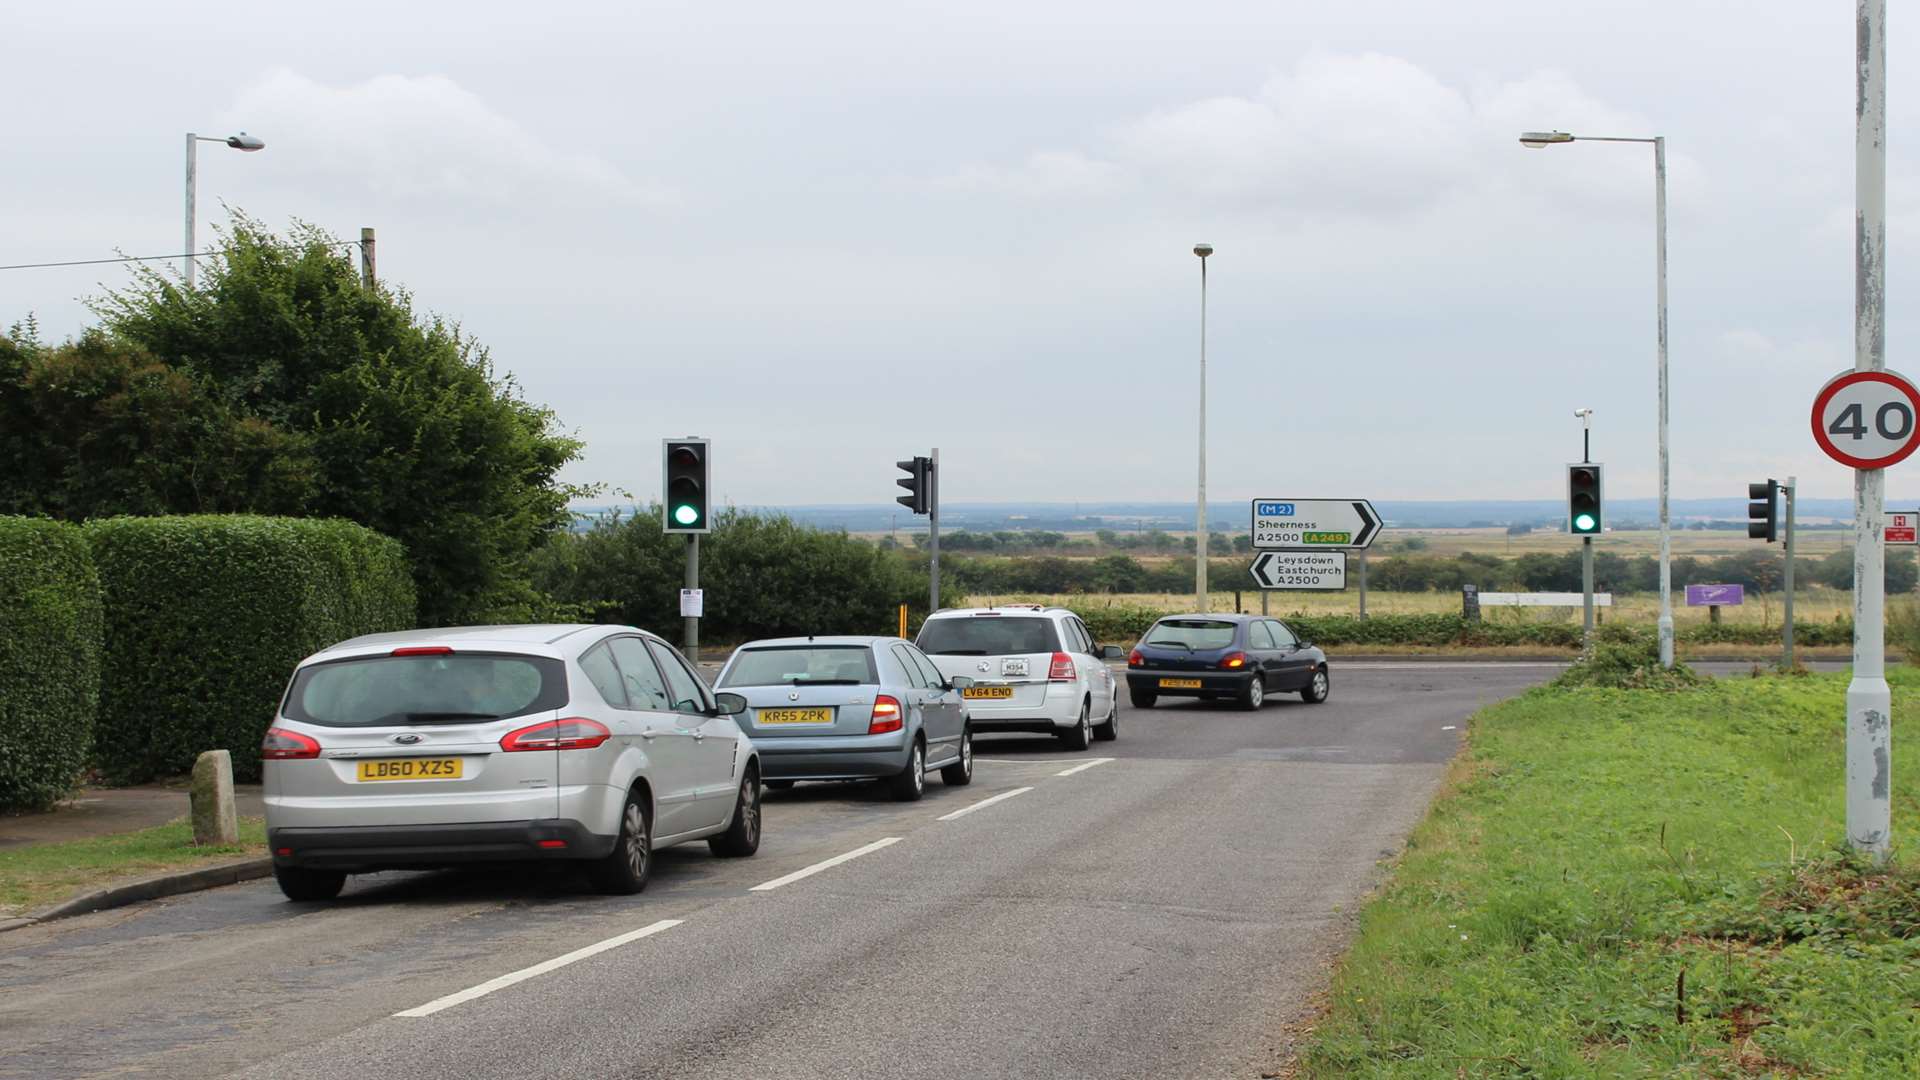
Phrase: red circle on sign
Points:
(1851, 378)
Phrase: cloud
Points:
(421, 137)
(1346, 135)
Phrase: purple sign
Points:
(1715, 595)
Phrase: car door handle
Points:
(699, 735)
(648, 734)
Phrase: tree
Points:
(294, 387)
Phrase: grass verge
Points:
(1642, 883)
(39, 875)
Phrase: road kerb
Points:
(153, 888)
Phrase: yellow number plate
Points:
(1180, 684)
(989, 693)
(413, 768)
(795, 716)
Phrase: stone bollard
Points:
(214, 818)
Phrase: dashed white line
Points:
(541, 968)
(824, 865)
(1083, 766)
(1025, 761)
(1449, 727)
(983, 803)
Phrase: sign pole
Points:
(1363, 583)
(1869, 701)
(1786, 632)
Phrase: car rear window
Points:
(1193, 633)
(802, 664)
(381, 691)
(987, 635)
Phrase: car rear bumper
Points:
(832, 757)
(404, 847)
(1211, 683)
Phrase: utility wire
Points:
(143, 258)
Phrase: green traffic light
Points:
(1584, 523)
(685, 514)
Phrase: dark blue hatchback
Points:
(1231, 657)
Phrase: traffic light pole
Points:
(692, 637)
(1786, 632)
(933, 534)
(1586, 589)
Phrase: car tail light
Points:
(1134, 659)
(1234, 661)
(886, 715)
(422, 650)
(552, 844)
(1061, 670)
(573, 733)
(283, 745)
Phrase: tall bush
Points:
(206, 617)
(50, 632)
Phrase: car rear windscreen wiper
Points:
(1169, 644)
(428, 717)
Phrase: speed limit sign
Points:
(1867, 419)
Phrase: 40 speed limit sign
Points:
(1867, 419)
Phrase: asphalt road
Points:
(1160, 906)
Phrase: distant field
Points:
(1811, 605)
(1700, 543)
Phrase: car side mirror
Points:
(729, 704)
(1112, 652)
(959, 682)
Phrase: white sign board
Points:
(693, 603)
(1300, 569)
(1867, 419)
(1543, 599)
(1329, 524)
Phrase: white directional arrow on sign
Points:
(1300, 569)
(1314, 523)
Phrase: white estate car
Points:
(1033, 668)
(502, 743)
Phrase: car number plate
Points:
(795, 716)
(988, 693)
(417, 768)
(1180, 684)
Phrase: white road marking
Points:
(1025, 761)
(1449, 727)
(541, 968)
(983, 803)
(1083, 766)
(1445, 665)
(826, 865)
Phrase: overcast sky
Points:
(834, 234)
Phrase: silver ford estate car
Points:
(502, 743)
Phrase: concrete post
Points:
(215, 820)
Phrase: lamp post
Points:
(242, 141)
(1535, 140)
(1200, 537)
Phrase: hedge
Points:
(1125, 625)
(50, 634)
(206, 617)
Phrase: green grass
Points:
(38, 875)
(1594, 845)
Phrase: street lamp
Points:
(242, 141)
(1200, 592)
(1535, 140)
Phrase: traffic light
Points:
(918, 482)
(1583, 499)
(1763, 513)
(684, 486)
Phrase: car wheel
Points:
(742, 838)
(1255, 695)
(911, 782)
(1142, 699)
(623, 871)
(960, 773)
(1110, 730)
(1081, 736)
(1318, 687)
(302, 883)
(780, 785)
